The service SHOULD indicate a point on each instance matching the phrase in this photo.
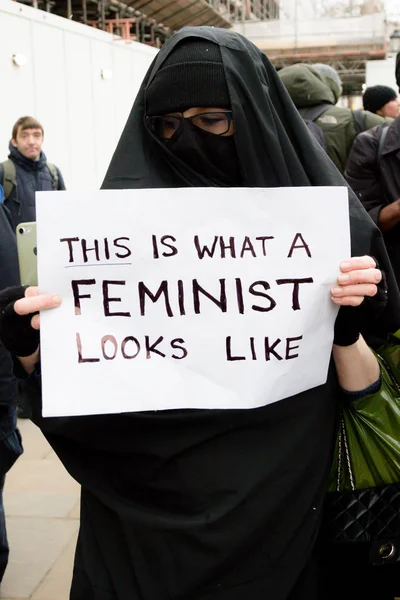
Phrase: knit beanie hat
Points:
(192, 75)
(377, 96)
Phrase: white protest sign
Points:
(187, 298)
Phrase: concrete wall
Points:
(61, 85)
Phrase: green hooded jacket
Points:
(309, 87)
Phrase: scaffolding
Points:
(344, 34)
(350, 8)
(147, 21)
(153, 21)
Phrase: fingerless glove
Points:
(353, 320)
(347, 326)
(16, 332)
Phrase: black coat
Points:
(377, 186)
(210, 504)
(9, 275)
(9, 271)
(32, 176)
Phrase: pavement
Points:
(42, 513)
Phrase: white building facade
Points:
(79, 82)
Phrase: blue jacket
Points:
(32, 176)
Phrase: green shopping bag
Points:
(367, 452)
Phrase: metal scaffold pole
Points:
(102, 14)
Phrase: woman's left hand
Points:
(358, 278)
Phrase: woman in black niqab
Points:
(211, 504)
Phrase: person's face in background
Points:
(29, 142)
(390, 109)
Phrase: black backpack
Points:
(359, 121)
(316, 131)
(309, 118)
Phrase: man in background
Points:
(373, 171)
(27, 171)
(315, 90)
(381, 100)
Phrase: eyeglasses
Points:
(216, 123)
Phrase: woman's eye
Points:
(210, 121)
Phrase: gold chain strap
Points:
(343, 442)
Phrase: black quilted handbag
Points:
(355, 513)
(367, 516)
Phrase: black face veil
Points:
(273, 145)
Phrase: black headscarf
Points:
(273, 144)
(211, 504)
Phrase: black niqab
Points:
(211, 504)
(212, 156)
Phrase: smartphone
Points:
(27, 253)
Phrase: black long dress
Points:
(211, 504)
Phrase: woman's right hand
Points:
(19, 318)
(33, 302)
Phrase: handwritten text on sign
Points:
(187, 298)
